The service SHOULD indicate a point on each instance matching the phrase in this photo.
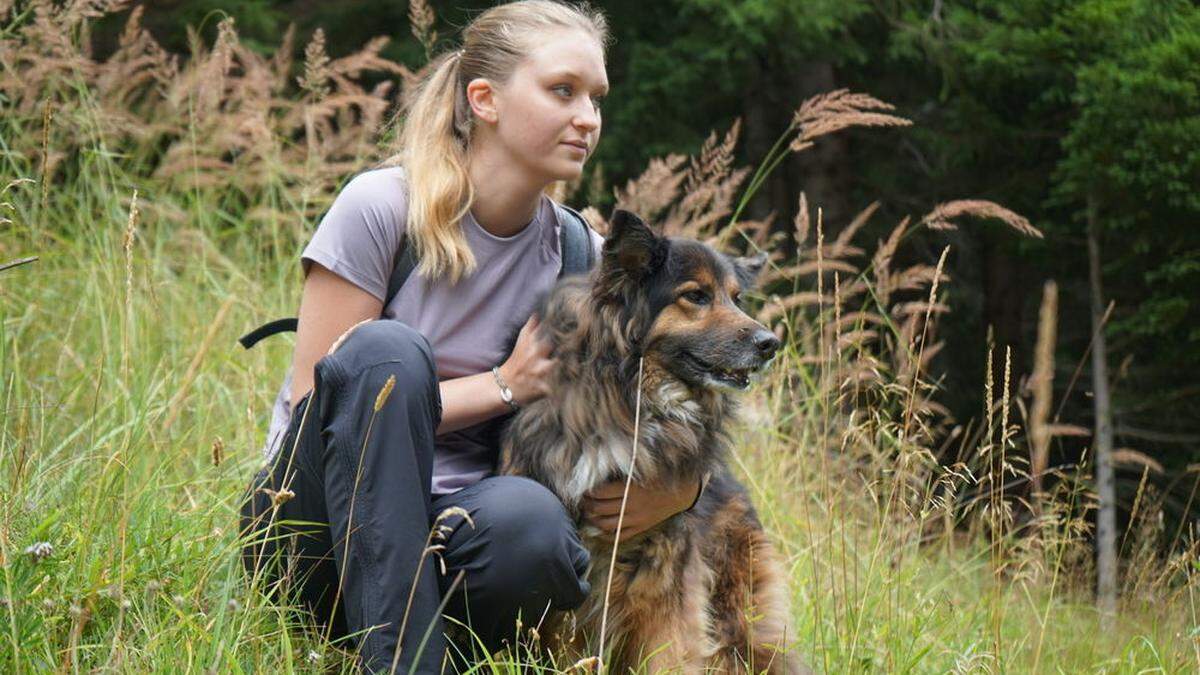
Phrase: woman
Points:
(488, 130)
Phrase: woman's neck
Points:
(506, 200)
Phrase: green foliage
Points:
(683, 67)
(1045, 105)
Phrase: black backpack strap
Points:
(267, 330)
(402, 266)
(404, 262)
(574, 241)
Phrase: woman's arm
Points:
(330, 305)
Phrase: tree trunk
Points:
(1106, 519)
(1005, 284)
(823, 172)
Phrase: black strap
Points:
(267, 330)
(575, 245)
(403, 265)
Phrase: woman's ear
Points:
(481, 96)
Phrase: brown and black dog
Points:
(705, 589)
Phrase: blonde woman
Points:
(489, 129)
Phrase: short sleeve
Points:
(358, 237)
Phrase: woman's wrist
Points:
(506, 375)
(506, 393)
(469, 400)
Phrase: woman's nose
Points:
(587, 119)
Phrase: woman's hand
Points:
(528, 369)
(647, 506)
(472, 399)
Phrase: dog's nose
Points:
(766, 343)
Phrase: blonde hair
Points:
(437, 122)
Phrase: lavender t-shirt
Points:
(468, 324)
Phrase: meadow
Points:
(152, 208)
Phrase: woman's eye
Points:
(696, 297)
(564, 89)
(597, 101)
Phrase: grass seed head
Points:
(385, 392)
(279, 497)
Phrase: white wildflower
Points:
(40, 551)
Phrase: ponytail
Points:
(433, 150)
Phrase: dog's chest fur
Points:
(577, 441)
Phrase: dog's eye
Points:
(696, 297)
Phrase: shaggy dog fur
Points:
(704, 589)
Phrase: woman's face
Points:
(548, 113)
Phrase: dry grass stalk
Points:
(345, 335)
(127, 248)
(612, 563)
(1042, 384)
(81, 614)
(941, 217)
(47, 116)
(18, 262)
(218, 451)
(174, 405)
(1069, 430)
(315, 80)
(654, 190)
(692, 201)
(382, 397)
(801, 223)
(920, 349)
(421, 17)
(1131, 457)
(881, 262)
(438, 532)
(837, 110)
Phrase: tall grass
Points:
(166, 200)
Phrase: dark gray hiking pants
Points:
(362, 510)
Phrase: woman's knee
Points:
(381, 341)
(537, 551)
(381, 349)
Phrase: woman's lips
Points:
(577, 146)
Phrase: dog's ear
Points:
(748, 269)
(632, 254)
(631, 246)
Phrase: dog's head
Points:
(679, 301)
